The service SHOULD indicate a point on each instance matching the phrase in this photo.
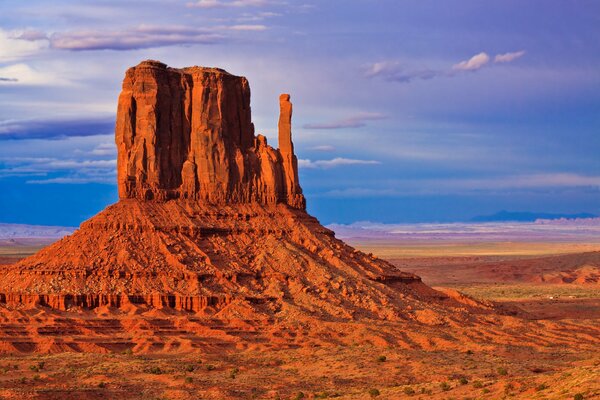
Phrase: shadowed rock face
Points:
(188, 133)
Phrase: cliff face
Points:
(187, 133)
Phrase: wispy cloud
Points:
(17, 45)
(54, 129)
(30, 35)
(336, 162)
(142, 37)
(543, 182)
(248, 27)
(72, 170)
(2, 79)
(225, 4)
(323, 147)
(357, 121)
(394, 71)
(508, 57)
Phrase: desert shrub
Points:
(409, 391)
(102, 385)
(36, 377)
(41, 365)
(210, 367)
(188, 379)
(155, 370)
(469, 352)
(463, 381)
(541, 387)
(233, 373)
(34, 368)
(445, 386)
(128, 352)
(381, 358)
(578, 396)
(299, 395)
(22, 380)
(485, 390)
(190, 368)
(374, 392)
(322, 395)
(502, 371)
(477, 384)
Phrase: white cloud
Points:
(474, 63)
(336, 162)
(24, 74)
(508, 57)
(14, 48)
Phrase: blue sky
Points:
(404, 111)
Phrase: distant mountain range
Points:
(524, 216)
(20, 231)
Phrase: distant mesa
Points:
(524, 216)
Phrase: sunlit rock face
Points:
(188, 133)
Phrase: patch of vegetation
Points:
(463, 381)
(188, 379)
(154, 370)
(299, 395)
(477, 384)
(190, 368)
(210, 367)
(541, 387)
(128, 352)
(374, 392)
(445, 386)
(485, 390)
(578, 396)
(409, 391)
(234, 373)
(322, 395)
(102, 385)
(502, 371)
(381, 358)
(469, 352)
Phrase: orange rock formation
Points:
(188, 134)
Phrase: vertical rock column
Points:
(291, 187)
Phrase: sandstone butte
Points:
(211, 229)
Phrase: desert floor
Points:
(360, 371)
